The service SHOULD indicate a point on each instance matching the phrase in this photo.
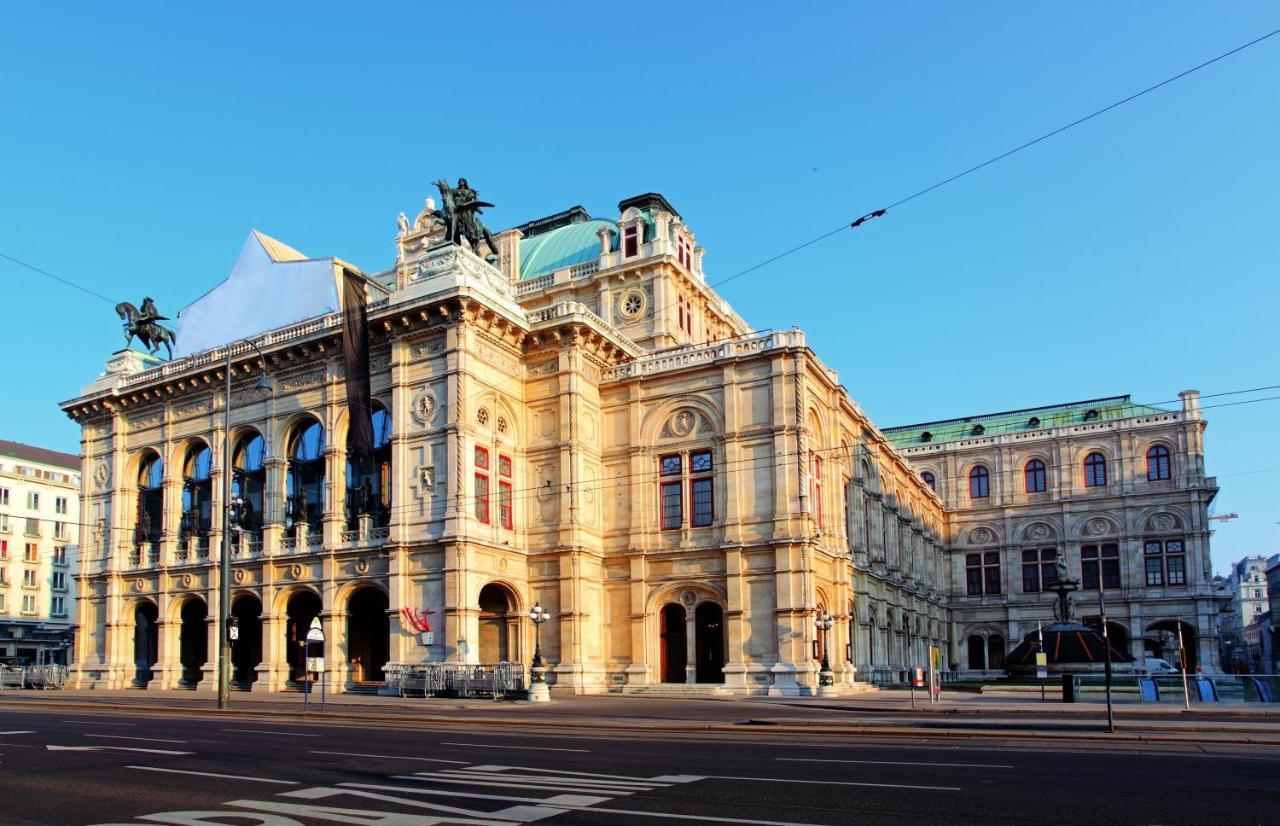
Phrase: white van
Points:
(1153, 665)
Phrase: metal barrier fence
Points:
(1203, 688)
(498, 681)
(43, 677)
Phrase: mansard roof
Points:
(1016, 421)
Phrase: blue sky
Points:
(1135, 254)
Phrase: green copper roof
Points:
(565, 246)
(1016, 421)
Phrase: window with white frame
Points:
(32, 552)
(59, 530)
(58, 606)
(4, 496)
(60, 505)
(33, 500)
(32, 527)
(28, 603)
(1165, 561)
(59, 580)
(60, 555)
(29, 578)
(4, 523)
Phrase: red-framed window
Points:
(702, 497)
(630, 241)
(1095, 470)
(815, 486)
(979, 483)
(1035, 476)
(482, 485)
(1157, 463)
(506, 516)
(671, 488)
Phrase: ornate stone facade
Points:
(586, 426)
(1116, 488)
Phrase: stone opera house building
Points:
(577, 420)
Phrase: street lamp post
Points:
(224, 562)
(539, 692)
(826, 680)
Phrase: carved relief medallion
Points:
(423, 407)
(101, 474)
(362, 566)
(682, 424)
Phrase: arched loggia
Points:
(369, 477)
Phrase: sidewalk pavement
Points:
(880, 713)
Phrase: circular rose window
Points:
(632, 304)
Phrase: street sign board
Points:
(315, 633)
(1042, 659)
(315, 663)
(1042, 673)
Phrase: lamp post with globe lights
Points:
(539, 692)
(826, 680)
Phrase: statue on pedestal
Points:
(461, 213)
(144, 324)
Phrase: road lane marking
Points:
(141, 739)
(275, 733)
(676, 816)
(893, 763)
(624, 785)
(215, 774)
(573, 774)
(16, 732)
(493, 780)
(835, 783)
(391, 757)
(114, 748)
(558, 800)
(96, 723)
(522, 748)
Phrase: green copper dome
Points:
(565, 246)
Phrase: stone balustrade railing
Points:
(692, 356)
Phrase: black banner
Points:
(355, 357)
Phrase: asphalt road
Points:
(63, 767)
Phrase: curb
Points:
(751, 726)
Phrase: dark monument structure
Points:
(461, 208)
(1067, 642)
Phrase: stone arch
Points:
(143, 616)
(983, 534)
(657, 416)
(192, 613)
(366, 630)
(181, 449)
(498, 622)
(1041, 530)
(1091, 525)
(1161, 519)
(1081, 453)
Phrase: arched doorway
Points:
(368, 634)
(246, 652)
(1162, 642)
(498, 624)
(995, 652)
(708, 635)
(146, 641)
(193, 640)
(674, 643)
(303, 606)
(977, 653)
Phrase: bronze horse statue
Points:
(146, 329)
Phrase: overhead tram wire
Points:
(66, 281)
(878, 213)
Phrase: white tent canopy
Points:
(271, 285)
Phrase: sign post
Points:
(1042, 660)
(315, 635)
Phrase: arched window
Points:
(305, 479)
(978, 430)
(1034, 473)
(369, 482)
(197, 499)
(1095, 470)
(979, 483)
(249, 483)
(926, 436)
(1157, 463)
(150, 522)
(930, 480)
